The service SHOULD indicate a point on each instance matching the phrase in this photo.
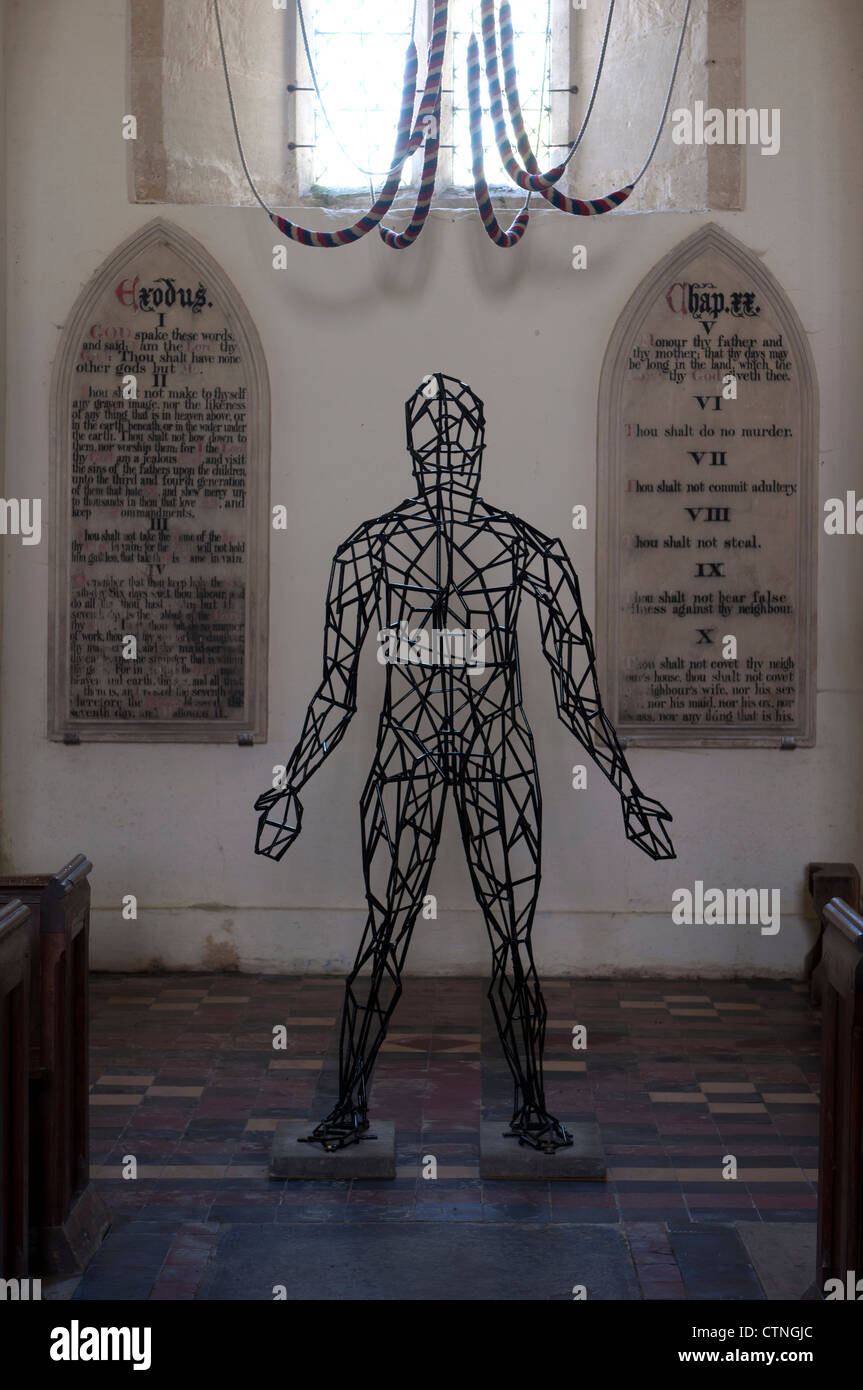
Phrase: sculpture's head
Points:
(445, 429)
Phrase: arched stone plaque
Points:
(707, 501)
(160, 503)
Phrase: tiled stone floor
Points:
(683, 1079)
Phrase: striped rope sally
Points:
(532, 182)
(517, 228)
(429, 112)
(576, 207)
(406, 143)
(382, 204)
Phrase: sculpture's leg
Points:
(401, 808)
(500, 819)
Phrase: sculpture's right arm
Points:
(350, 605)
(351, 601)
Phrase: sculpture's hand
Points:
(643, 819)
(279, 824)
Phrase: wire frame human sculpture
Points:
(440, 580)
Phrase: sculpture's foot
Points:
(539, 1130)
(339, 1130)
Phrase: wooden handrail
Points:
(828, 881)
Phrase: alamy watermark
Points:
(21, 516)
(77, 1343)
(718, 906)
(736, 126)
(439, 646)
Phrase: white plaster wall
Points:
(348, 334)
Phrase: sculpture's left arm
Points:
(567, 644)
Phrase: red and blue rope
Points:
(533, 182)
(405, 144)
(429, 114)
(576, 207)
(517, 228)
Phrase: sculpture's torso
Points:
(450, 582)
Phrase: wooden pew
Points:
(14, 1083)
(67, 1218)
(840, 1192)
